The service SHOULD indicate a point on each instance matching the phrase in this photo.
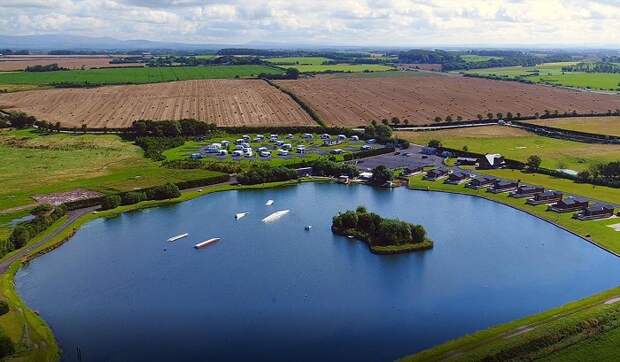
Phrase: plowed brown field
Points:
(224, 102)
(20, 63)
(357, 101)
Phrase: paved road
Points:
(73, 215)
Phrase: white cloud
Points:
(354, 22)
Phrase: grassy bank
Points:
(559, 334)
(596, 231)
(32, 336)
(600, 125)
(402, 248)
(34, 164)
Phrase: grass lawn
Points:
(596, 230)
(551, 73)
(602, 193)
(473, 58)
(341, 68)
(603, 347)
(518, 144)
(601, 125)
(137, 75)
(62, 162)
(297, 60)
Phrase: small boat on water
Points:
(240, 215)
(308, 227)
(269, 202)
(276, 215)
(205, 243)
(177, 237)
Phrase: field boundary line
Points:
(305, 107)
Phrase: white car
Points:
(245, 145)
(355, 138)
(239, 147)
(265, 154)
(341, 137)
(237, 153)
(262, 149)
(301, 149)
(287, 146)
(225, 143)
(325, 136)
(289, 136)
(248, 152)
(222, 153)
(282, 153)
(240, 141)
(337, 151)
(371, 141)
(308, 136)
(365, 147)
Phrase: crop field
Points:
(224, 102)
(297, 60)
(353, 101)
(518, 144)
(600, 125)
(472, 58)
(551, 73)
(137, 75)
(60, 162)
(342, 68)
(70, 62)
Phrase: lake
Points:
(118, 291)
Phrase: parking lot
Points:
(411, 157)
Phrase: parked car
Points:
(265, 154)
(365, 147)
(337, 151)
(237, 153)
(282, 153)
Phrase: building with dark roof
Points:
(546, 197)
(569, 204)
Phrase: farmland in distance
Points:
(354, 102)
(224, 102)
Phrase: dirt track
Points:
(224, 102)
(357, 101)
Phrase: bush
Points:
(42, 209)
(20, 236)
(4, 307)
(262, 174)
(154, 146)
(325, 167)
(7, 347)
(132, 197)
(167, 191)
(111, 202)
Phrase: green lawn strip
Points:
(596, 231)
(402, 248)
(600, 193)
(549, 324)
(341, 68)
(137, 75)
(293, 61)
(473, 58)
(20, 315)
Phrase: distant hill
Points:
(75, 42)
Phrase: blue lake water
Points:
(119, 291)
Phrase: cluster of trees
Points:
(19, 119)
(259, 174)
(326, 167)
(381, 132)
(605, 174)
(44, 68)
(184, 127)
(14, 52)
(162, 192)
(598, 67)
(45, 216)
(381, 175)
(291, 73)
(375, 230)
(154, 146)
(451, 60)
(171, 61)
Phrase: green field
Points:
(472, 58)
(343, 68)
(297, 60)
(31, 164)
(600, 125)
(137, 75)
(551, 73)
(519, 145)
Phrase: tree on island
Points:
(434, 143)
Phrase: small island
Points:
(383, 236)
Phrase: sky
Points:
(326, 22)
